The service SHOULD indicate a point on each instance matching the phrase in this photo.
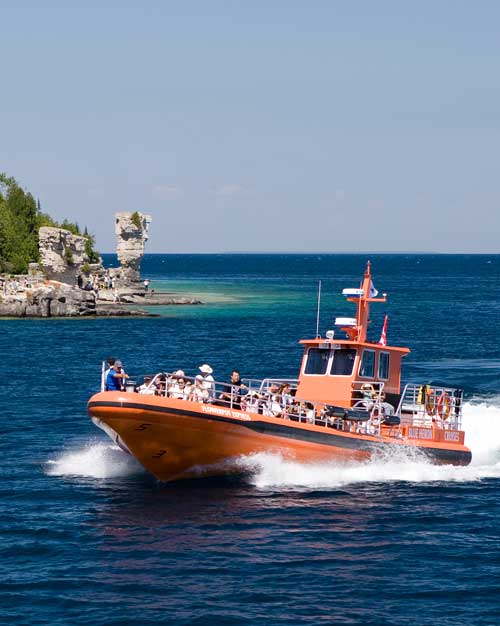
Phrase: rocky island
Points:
(68, 278)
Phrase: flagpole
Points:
(319, 306)
(383, 336)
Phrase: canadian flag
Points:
(383, 336)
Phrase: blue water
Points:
(87, 537)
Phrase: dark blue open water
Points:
(87, 537)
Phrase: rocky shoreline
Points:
(51, 298)
(66, 284)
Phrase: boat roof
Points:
(320, 341)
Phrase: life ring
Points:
(430, 403)
(444, 406)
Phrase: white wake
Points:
(481, 422)
(94, 460)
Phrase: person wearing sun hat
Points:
(208, 380)
(176, 389)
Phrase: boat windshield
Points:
(317, 361)
(343, 362)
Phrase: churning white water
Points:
(94, 460)
(481, 422)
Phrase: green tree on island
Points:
(20, 219)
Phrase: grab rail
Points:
(421, 405)
(367, 414)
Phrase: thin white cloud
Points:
(230, 189)
(160, 191)
(95, 192)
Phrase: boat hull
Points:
(175, 439)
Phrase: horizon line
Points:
(396, 252)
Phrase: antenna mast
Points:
(319, 307)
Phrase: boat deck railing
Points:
(260, 396)
(368, 413)
(424, 405)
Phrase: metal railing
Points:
(425, 405)
(277, 397)
(170, 384)
(271, 397)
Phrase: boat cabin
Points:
(336, 371)
(332, 370)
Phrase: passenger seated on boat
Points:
(115, 377)
(147, 388)
(252, 402)
(272, 406)
(171, 381)
(188, 390)
(368, 391)
(199, 392)
(285, 397)
(309, 412)
(208, 380)
(322, 416)
(161, 385)
(386, 408)
(176, 389)
(232, 393)
(294, 409)
(368, 396)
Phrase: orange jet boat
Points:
(348, 404)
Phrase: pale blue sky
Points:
(259, 126)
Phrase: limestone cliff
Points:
(61, 253)
(49, 299)
(132, 233)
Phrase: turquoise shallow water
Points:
(89, 538)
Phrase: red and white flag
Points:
(383, 336)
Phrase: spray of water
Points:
(481, 424)
(482, 427)
(96, 460)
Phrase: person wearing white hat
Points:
(176, 389)
(208, 380)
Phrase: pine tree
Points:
(20, 219)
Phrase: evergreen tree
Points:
(20, 219)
